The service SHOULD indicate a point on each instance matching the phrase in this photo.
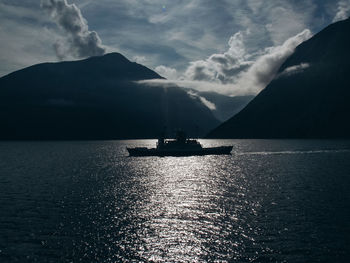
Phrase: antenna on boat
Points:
(161, 138)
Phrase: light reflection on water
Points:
(183, 206)
(270, 201)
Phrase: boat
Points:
(181, 146)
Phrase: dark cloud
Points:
(80, 42)
(154, 52)
(184, 31)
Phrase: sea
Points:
(88, 201)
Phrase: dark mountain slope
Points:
(96, 98)
(308, 99)
(226, 106)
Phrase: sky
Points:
(233, 47)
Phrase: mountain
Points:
(225, 106)
(95, 98)
(309, 97)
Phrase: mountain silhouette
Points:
(225, 106)
(309, 97)
(95, 98)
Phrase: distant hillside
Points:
(95, 98)
(308, 99)
(226, 106)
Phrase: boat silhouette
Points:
(180, 146)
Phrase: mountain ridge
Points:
(308, 98)
(94, 98)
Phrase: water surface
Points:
(270, 201)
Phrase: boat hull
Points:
(175, 152)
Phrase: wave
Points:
(296, 152)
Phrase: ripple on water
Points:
(271, 201)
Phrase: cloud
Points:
(23, 44)
(183, 32)
(210, 105)
(193, 29)
(284, 22)
(204, 86)
(294, 69)
(139, 59)
(343, 10)
(221, 67)
(191, 85)
(266, 66)
(235, 72)
(79, 41)
(167, 72)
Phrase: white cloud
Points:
(294, 69)
(265, 67)
(255, 6)
(343, 10)
(183, 31)
(225, 89)
(79, 42)
(284, 22)
(221, 68)
(210, 105)
(167, 72)
(235, 72)
(140, 59)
